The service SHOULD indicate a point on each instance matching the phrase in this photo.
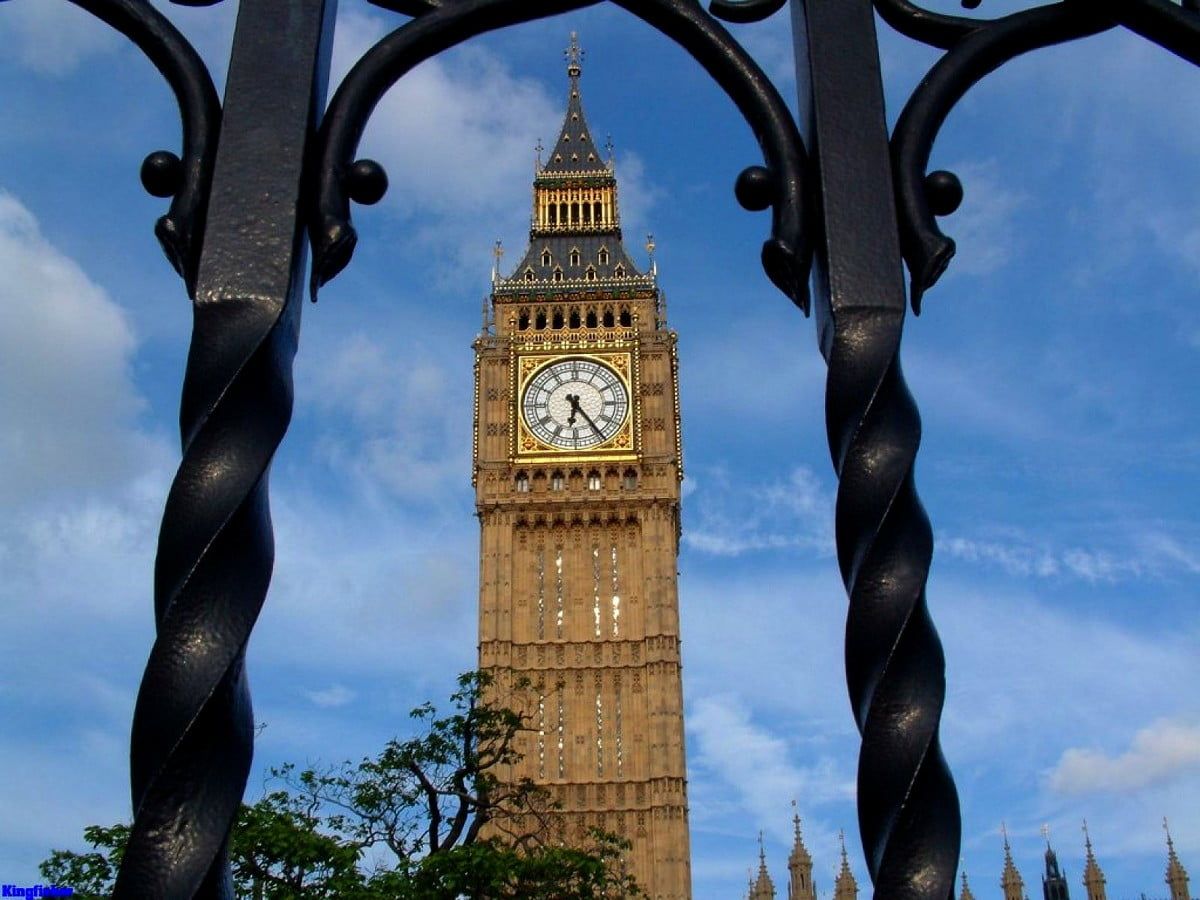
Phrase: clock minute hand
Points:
(587, 418)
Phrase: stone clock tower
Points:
(577, 473)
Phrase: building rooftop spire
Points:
(966, 889)
(1010, 879)
(1177, 876)
(1093, 876)
(574, 151)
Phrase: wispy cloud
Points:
(332, 696)
(1158, 753)
(732, 517)
(1140, 554)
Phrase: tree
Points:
(430, 817)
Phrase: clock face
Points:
(575, 404)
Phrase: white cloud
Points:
(728, 517)
(67, 395)
(53, 38)
(332, 696)
(727, 743)
(986, 227)
(1158, 753)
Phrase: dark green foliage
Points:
(426, 819)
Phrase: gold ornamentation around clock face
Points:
(575, 404)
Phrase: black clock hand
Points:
(587, 418)
(573, 399)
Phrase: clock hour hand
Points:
(573, 399)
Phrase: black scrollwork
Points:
(786, 255)
(164, 174)
(745, 10)
(975, 48)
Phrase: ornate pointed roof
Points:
(764, 887)
(966, 889)
(799, 855)
(1177, 876)
(1010, 879)
(845, 887)
(1093, 877)
(575, 233)
(575, 151)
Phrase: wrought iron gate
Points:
(272, 170)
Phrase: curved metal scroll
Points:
(164, 174)
(975, 48)
(442, 24)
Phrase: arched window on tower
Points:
(553, 213)
(529, 275)
(574, 318)
(558, 318)
(587, 214)
(598, 212)
(574, 213)
(523, 321)
(630, 479)
(626, 319)
(522, 483)
(575, 256)
(602, 256)
(546, 258)
(540, 321)
(590, 274)
(591, 318)
(595, 482)
(558, 273)
(619, 271)
(557, 481)
(608, 318)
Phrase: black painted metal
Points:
(241, 197)
(193, 726)
(165, 174)
(438, 26)
(907, 804)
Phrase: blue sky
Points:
(1056, 367)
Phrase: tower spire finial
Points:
(574, 56)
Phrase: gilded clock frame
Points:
(624, 446)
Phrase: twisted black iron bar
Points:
(927, 251)
(895, 668)
(192, 740)
(786, 255)
(908, 808)
(164, 175)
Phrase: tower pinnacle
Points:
(1093, 877)
(1010, 880)
(845, 887)
(574, 56)
(1177, 876)
(800, 883)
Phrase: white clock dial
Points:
(575, 404)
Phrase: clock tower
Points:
(577, 471)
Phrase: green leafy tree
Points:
(429, 818)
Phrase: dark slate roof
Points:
(574, 152)
(560, 247)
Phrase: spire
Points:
(1177, 876)
(574, 151)
(1054, 883)
(845, 887)
(575, 228)
(966, 889)
(1010, 880)
(800, 883)
(1093, 877)
(763, 887)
